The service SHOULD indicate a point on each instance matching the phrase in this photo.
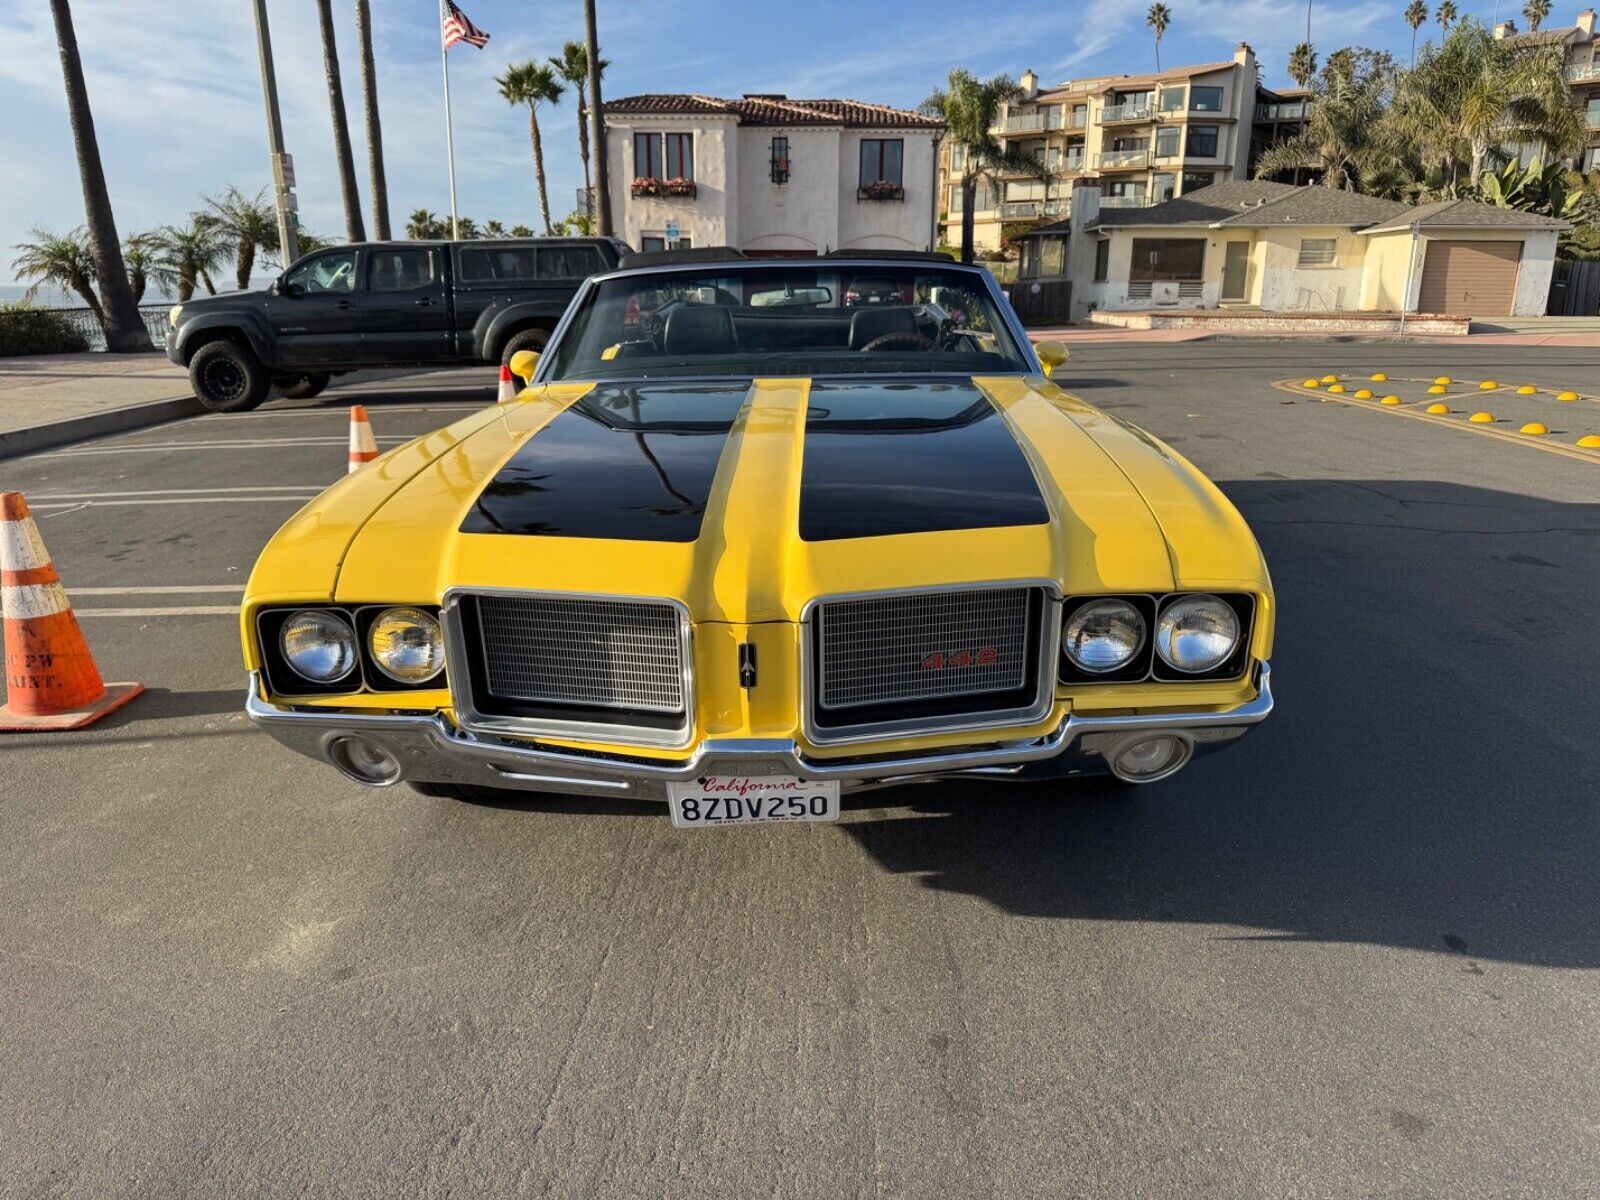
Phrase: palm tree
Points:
(62, 260)
(369, 97)
(521, 231)
(493, 229)
(597, 128)
(249, 222)
(1158, 18)
(142, 256)
(341, 127)
(124, 329)
(1474, 92)
(533, 84)
(1416, 14)
(573, 66)
(1445, 14)
(1536, 11)
(971, 109)
(467, 228)
(189, 253)
(1345, 133)
(1302, 64)
(423, 224)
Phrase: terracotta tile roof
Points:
(777, 110)
(1544, 37)
(1117, 83)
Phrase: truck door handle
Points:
(425, 302)
(344, 304)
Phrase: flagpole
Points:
(449, 131)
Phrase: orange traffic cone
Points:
(51, 679)
(508, 385)
(363, 446)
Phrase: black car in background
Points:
(381, 304)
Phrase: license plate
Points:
(749, 799)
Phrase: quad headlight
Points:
(319, 646)
(1103, 636)
(407, 645)
(1196, 633)
(172, 315)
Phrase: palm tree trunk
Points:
(211, 288)
(244, 262)
(86, 291)
(1413, 47)
(1480, 152)
(969, 197)
(583, 153)
(1158, 54)
(354, 229)
(602, 170)
(185, 286)
(120, 318)
(538, 168)
(369, 93)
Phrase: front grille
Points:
(582, 653)
(927, 660)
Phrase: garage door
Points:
(1470, 279)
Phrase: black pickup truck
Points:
(380, 304)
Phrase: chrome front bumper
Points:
(431, 749)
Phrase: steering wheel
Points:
(897, 341)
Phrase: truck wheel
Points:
(528, 339)
(228, 378)
(301, 387)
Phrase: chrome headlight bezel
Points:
(1104, 610)
(1147, 666)
(419, 619)
(338, 631)
(1197, 616)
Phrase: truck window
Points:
(325, 273)
(569, 262)
(498, 264)
(399, 270)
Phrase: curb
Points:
(17, 442)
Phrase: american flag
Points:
(454, 25)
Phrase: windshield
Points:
(783, 319)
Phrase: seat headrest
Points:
(867, 324)
(699, 329)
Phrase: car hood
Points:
(746, 500)
(195, 305)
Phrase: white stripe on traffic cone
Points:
(508, 385)
(363, 446)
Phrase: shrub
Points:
(25, 329)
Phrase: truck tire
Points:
(301, 387)
(228, 378)
(527, 339)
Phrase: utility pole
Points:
(602, 169)
(282, 165)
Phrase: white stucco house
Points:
(771, 176)
(1275, 247)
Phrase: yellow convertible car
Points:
(758, 533)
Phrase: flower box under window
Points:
(881, 189)
(647, 186)
(679, 187)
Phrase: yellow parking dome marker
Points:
(1336, 387)
(1569, 396)
(1590, 441)
(1438, 409)
(1482, 418)
(1438, 389)
(1364, 394)
(1311, 383)
(1527, 389)
(1380, 377)
(1534, 428)
(1390, 400)
(1330, 379)
(1443, 381)
(1488, 385)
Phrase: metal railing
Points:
(1583, 73)
(1126, 112)
(1289, 110)
(88, 325)
(1113, 159)
(1034, 121)
(1136, 200)
(1014, 209)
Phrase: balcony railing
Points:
(1136, 200)
(1032, 122)
(1126, 112)
(1118, 159)
(1078, 119)
(1289, 110)
(1072, 162)
(1013, 210)
(1584, 73)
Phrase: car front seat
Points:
(699, 329)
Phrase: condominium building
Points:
(1583, 73)
(1145, 138)
(770, 175)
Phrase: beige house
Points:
(1144, 138)
(1583, 72)
(1279, 248)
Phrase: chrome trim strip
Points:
(996, 721)
(430, 747)
(474, 720)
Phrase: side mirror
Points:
(1051, 354)
(525, 363)
(275, 288)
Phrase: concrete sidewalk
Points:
(47, 399)
(1498, 331)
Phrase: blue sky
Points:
(177, 98)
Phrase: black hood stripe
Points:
(894, 458)
(633, 463)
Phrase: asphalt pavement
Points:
(1354, 955)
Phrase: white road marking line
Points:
(344, 413)
(159, 589)
(278, 499)
(297, 488)
(234, 444)
(194, 610)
